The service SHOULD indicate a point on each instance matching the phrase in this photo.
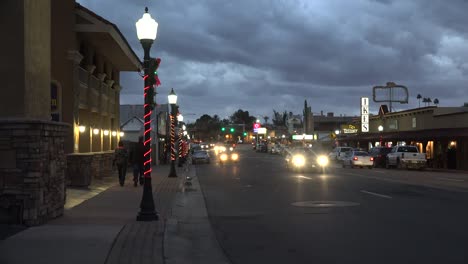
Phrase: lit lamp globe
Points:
(172, 97)
(180, 117)
(380, 128)
(147, 27)
(337, 132)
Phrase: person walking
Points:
(137, 159)
(121, 160)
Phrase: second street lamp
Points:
(147, 29)
(172, 99)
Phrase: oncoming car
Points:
(228, 156)
(304, 159)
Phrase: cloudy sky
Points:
(259, 55)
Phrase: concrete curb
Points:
(188, 235)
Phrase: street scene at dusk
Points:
(269, 131)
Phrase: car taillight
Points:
(371, 159)
(355, 158)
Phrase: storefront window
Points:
(430, 150)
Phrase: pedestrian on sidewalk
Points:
(121, 160)
(137, 159)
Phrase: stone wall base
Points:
(83, 168)
(32, 171)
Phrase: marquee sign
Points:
(364, 114)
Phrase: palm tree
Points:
(429, 101)
(436, 101)
(425, 101)
(266, 119)
(419, 99)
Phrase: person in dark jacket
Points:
(137, 160)
(121, 160)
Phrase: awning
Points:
(429, 134)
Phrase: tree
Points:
(266, 119)
(242, 117)
(419, 99)
(207, 127)
(279, 119)
(436, 101)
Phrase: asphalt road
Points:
(261, 213)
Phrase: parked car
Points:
(380, 155)
(358, 159)
(200, 156)
(338, 152)
(406, 157)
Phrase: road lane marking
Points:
(450, 179)
(376, 171)
(377, 194)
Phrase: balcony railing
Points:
(84, 96)
(96, 95)
(83, 76)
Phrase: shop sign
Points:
(303, 137)
(364, 114)
(261, 130)
(349, 129)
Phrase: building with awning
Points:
(88, 54)
(440, 132)
(59, 120)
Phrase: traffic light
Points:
(223, 129)
(245, 134)
(232, 130)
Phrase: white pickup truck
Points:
(406, 157)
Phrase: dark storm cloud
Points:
(263, 55)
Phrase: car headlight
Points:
(223, 157)
(222, 148)
(298, 160)
(231, 148)
(322, 160)
(216, 148)
(235, 156)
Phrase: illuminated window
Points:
(430, 150)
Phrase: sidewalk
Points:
(102, 229)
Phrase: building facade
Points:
(440, 132)
(59, 113)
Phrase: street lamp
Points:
(172, 99)
(147, 28)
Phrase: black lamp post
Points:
(172, 98)
(146, 30)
